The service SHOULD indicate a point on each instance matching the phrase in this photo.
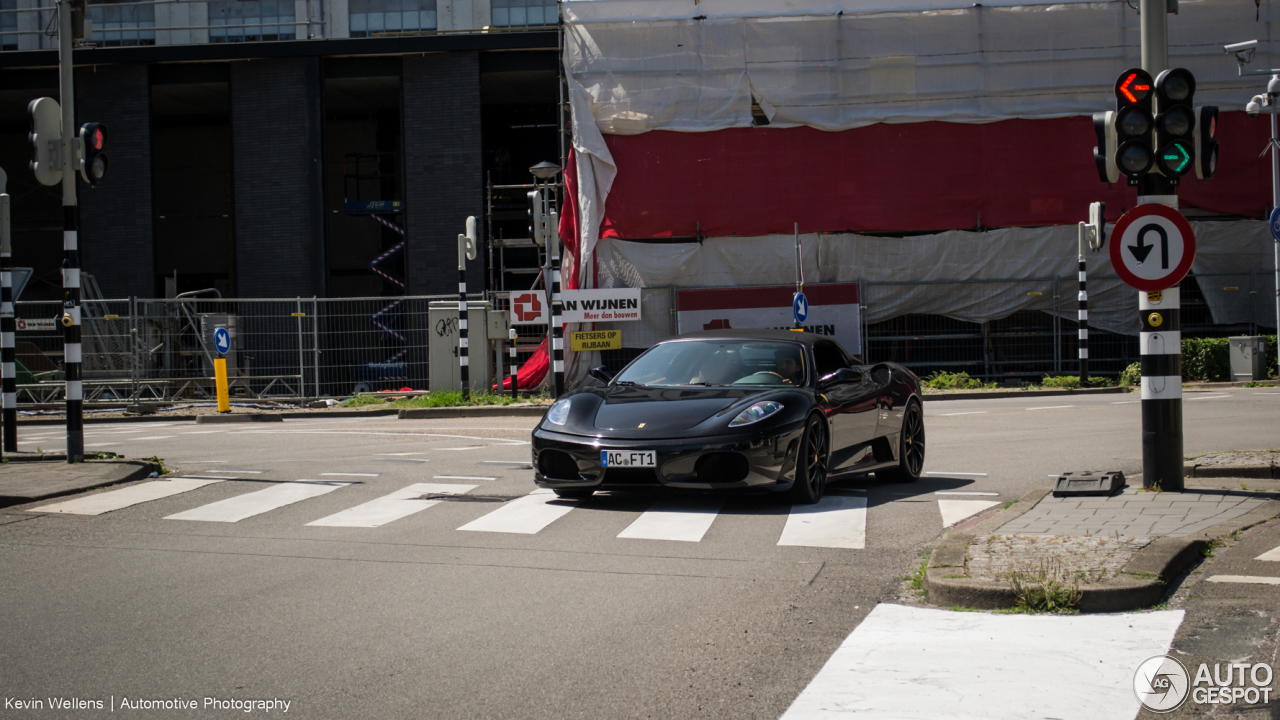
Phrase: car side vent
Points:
(557, 465)
(721, 467)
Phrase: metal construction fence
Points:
(162, 349)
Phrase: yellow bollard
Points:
(220, 374)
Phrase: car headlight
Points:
(756, 413)
(558, 412)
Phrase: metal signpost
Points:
(222, 344)
(799, 303)
(466, 251)
(1152, 248)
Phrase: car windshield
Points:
(719, 363)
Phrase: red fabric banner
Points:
(897, 178)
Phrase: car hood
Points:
(645, 412)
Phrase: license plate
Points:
(627, 458)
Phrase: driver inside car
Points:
(790, 371)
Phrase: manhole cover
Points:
(466, 498)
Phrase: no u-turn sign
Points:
(1152, 247)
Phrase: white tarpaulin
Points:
(969, 276)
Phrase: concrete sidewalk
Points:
(24, 482)
(1118, 553)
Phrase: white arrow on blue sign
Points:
(800, 307)
(1275, 223)
(221, 340)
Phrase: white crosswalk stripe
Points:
(255, 503)
(953, 511)
(523, 516)
(399, 504)
(1272, 555)
(835, 521)
(106, 502)
(680, 519)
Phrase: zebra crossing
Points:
(837, 521)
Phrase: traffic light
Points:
(1133, 124)
(537, 217)
(1206, 146)
(1104, 153)
(92, 160)
(1175, 123)
(46, 139)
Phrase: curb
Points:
(1141, 583)
(238, 418)
(475, 411)
(143, 469)
(35, 457)
(993, 394)
(1192, 470)
(160, 417)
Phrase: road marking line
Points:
(352, 474)
(463, 477)
(150, 437)
(469, 447)
(1272, 555)
(1127, 402)
(398, 454)
(953, 511)
(203, 432)
(1210, 397)
(388, 508)
(244, 472)
(679, 519)
(832, 522)
(255, 503)
(202, 462)
(99, 444)
(417, 460)
(524, 516)
(975, 412)
(124, 497)
(958, 474)
(1051, 407)
(904, 662)
(506, 462)
(966, 492)
(1250, 579)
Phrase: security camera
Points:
(1255, 105)
(1240, 47)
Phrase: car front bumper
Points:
(769, 456)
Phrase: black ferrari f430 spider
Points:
(754, 410)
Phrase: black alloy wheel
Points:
(811, 464)
(910, 447)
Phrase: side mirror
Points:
(601, 373)
(840, 376)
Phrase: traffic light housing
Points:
(1104, 153)
(46, 139)
(1206, 145)
(1134, 124)
(92, 160)
(1175, 123)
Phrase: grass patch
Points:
(159, 461)
(1041, 589)
(954, 381)
(454, 399)
(365, 400)
(1009, 504)
(1072, 382)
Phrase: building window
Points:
(114, 26)
(251, 20)
(8, 24)
(391, 17)
(524, 13)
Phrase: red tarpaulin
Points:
(907, 177)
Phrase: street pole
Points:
(7, 324)
(72, 355)
(1082, 311)
(1160, 338)
(463, 360)
(799, 274)
(1275, 202)
(557, 323)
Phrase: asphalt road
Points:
(542, 611)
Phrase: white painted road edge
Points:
(1270, 555)
(106, 502)
(953, 511)
(906, 663)
(1247, 579)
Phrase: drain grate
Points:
(467, 498)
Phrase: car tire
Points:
(573, 493)
(910, 447)
(812, 462)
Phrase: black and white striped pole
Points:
(1093, 234)
(7, 325)
(72, 355)
(515, 378)
(466, 251)
(546, 232)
